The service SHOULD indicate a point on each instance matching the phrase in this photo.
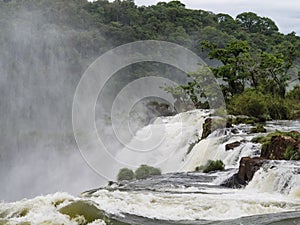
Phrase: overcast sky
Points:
(285, 13)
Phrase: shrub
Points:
(258, 129)
(258, 139)
(249, 103)
(145, 171)
(278, 109)
(125, 174)
(267, 139)
(244, 119)
(212, 166)
(255, 104)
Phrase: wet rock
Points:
(276, 149)
(86, 212)
(160, 109)
(212, 124)
(207, 128)
(163, 110)
(234, 131)
(83, 208)
(233, 145)
(248, 167)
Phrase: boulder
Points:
(233, 145)
(276, 149)
(248, 167)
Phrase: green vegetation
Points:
(291, 153)
(211, 166)
(143, 172)
(258, 129)
(125, 174)
(249, 103)
(243, 119)
(267, 138)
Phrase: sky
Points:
(286, 13)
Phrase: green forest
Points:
(258, 64)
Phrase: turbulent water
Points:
(180, 197)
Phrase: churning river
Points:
(179, 196)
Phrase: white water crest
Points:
(222, 205)
(165, 142)
(278, 177)
(174, 144)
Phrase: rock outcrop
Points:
(212, 124)
(277, 146)
(207, 128)
(248, 167)
(233, 145)
(276, 149)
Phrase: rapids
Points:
(179, 196)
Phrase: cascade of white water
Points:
(173, 144)
(278, 176)
(165, 142)
(213, 148)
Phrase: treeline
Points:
(248, 51)
(121, 22)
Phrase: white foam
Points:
(226, 205)
(277, 177)
(165, 142)
(39, 210)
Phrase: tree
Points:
(214, 35)
(234, 57)
(275, 75)
(249, 21)
(226, 23)
(253, 23)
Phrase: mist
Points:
(39, 72)
(43, 57)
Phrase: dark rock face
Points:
(160, 109)
(277, 147)
(212, 124)
(247, 169)
(207, 128)
(232, 145)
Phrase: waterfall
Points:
(279, 177)
(174, 144)
(165, 142)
